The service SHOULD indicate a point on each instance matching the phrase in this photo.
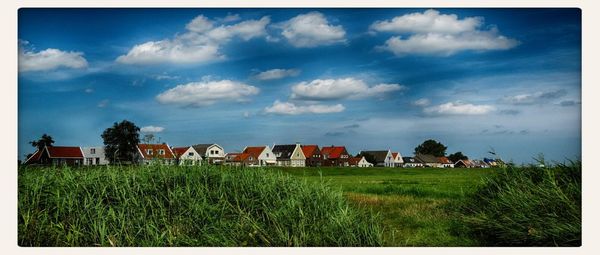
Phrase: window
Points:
(267, 154)
(161, 152)
(93, 151)
(212, 152)
(190, 154)
(97, 161)
(149, 151)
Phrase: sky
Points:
(476, 80)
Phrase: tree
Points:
(431, 147)
(455, 157)
(44, 141)
(148, 138)
(120, 141)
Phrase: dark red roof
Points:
(34, 158)
(354, 160)
(64, 152)
(444, 160)
(309, 150)
(179, 151)
(394, 155)
(155, 147)
(254, 151)
(242, 157)
(333, 152)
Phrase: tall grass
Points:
(185, 206)
(527, 206)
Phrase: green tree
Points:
(120, 141)
(431, 147)
(44, 141)
(454, 157)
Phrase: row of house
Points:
(286, 155)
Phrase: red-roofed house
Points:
(334, 156)
(240, 159)
(398, 162)
(313, 155)
(359, 162)
(446, 163)
(187, 156)
(57, 155)
(263, 154)
(161, 153)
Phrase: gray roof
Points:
(425, 158)
(283, 151)
(409, 160)
(201, 148)
(379, 156)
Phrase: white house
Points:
(398, 162)
(289, 155)
(212, 153)
(382, 158)
(94, 156)
(363, 163)
(187, 156)
(264, 154)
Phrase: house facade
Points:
(411, 162)
(240, 159)
(57, 155)
(398, 162)
(263, 154)
(381, 158)
(289, 155)
(428, 160)
(155, 153)
(359, 162)
(445, 162)
(212, 153)
(94, 156)
(335, 156)
(187, 156)
(313, 155)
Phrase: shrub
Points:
(185, 206)
(527, 206)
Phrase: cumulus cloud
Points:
(458, 108)
(421, 102)
(430, 21)
(49, 59)
(274, 74)
(201, 42)
(287, 108)
(351, 88)
(432, 33)
(534, 98)
(151, 129)
(310, 30)
(198, 94)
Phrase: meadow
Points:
(229, 206)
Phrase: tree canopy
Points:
(454, 157)
(431, 147)
(44, 141)
(120, 141)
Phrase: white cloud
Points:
(201, 43)
(430, 21)
(535, 98)
(231, 17)
(458, 108)
(205, 93)
(89, 90)
(50, 59)
(151, 129)
(103, 103)
(433, 33)
(287, 108)
(312, 29)
(421, 102)
(274, 74)
(350, 88)
(448, 44)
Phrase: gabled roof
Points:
(444, 160)
(142, 148)
(394, 155)
(283, 151)
(34, 157)
(379, 156)
(201, 148)
(354, 160)
(64, 152)
(425, 158)
(241, 157)
(310, 150)
(179, 151)
(478, 163)
(333, 152)
(254, 150)
(465, 162)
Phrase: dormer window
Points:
(149, 151)
(161, 152)
(93, 151)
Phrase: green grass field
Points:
(415, 204)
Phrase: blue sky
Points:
(474, 79)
